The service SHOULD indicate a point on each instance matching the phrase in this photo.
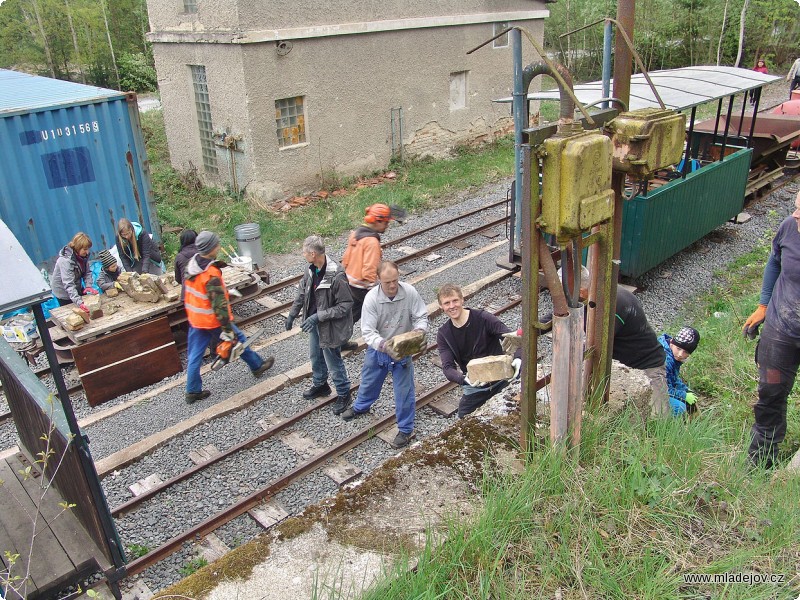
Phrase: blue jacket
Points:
(677, 387)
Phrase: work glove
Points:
(118, 285)
(84, 308)
(227, 336)
(309, 323)
(517, 364)
(289, 322)
(91, 290)
(477, 384)
(691, 398)
(750, 329)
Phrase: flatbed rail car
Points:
(664, 216)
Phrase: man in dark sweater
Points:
(470, 333)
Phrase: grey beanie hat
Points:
(206, 241)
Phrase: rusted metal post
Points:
(560, 380)
(529, 208)
(622, 90)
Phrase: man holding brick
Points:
(391, 309)
(469, 334)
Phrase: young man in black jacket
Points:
(470, 333)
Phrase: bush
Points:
(136, 73)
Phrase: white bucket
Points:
(243, 262)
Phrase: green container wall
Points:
(667, 220)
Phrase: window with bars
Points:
(290, 121)
(502, 41)
(203, 106)
(190, 6)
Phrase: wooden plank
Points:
(130, 312)
(7, 545)
(81, 550)
(49, 567)
(127, 360)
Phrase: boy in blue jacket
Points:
(678, 348)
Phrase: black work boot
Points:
(265, 366)
(317, 391)
(192, 397)
(341, 404)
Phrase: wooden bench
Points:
(63, 552)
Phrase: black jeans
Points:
(358, 295)
(778, 356)
(469, 403)
(794, 85)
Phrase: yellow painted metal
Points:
(576, 181)
(647, 139)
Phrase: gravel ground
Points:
(663, 292)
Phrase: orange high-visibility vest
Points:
(197, 302)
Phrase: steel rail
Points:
(252, 500)
(276, 310)
(255, 440)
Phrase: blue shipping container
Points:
(74, 160)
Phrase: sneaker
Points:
(265, 366)
(350, 414)
(401, 440)
(317, 391)
(352, 346)
(342, 402)
(192, 397)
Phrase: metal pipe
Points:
(727, 126)
(520, 123)
(575, 376)
(560, 380)
(567, 104)
(741, 116)
(753, 120)
(532, 249)
(607, 31)
(688, 156)
(716, 123)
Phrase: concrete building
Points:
(272, 96)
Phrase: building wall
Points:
(349, 83)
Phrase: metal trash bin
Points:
(248, 239)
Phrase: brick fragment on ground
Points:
(490, 368)
(406, 344)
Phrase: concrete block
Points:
(138, 591)
(146, 484)
(490, 368)
(172, 295)
(406, 344)
(628, 385)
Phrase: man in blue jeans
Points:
(208, 310)
(389, 309)
(324, 298)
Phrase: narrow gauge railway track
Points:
(289, 281)
(252, 500)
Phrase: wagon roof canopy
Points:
(679, 88)
(20, 92)
(29, 285)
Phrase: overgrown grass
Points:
(182, 202)
(642, 507)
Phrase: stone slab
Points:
(301, 444)
(138, 591)
(490, 368)
(433, 257)
(742, 217)
(269, 514)
(341, 472)
(269, 422)
(203, 454)
(461, 245)
(212, 548)
(446, 406)
(146, 484)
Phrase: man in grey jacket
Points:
(389, 309)
(325, 301)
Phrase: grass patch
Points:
(181, 201)
(642, 507)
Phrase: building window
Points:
(204, 124)
(458, 90)
(290, 121)
(190, 6)
(502, 41)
